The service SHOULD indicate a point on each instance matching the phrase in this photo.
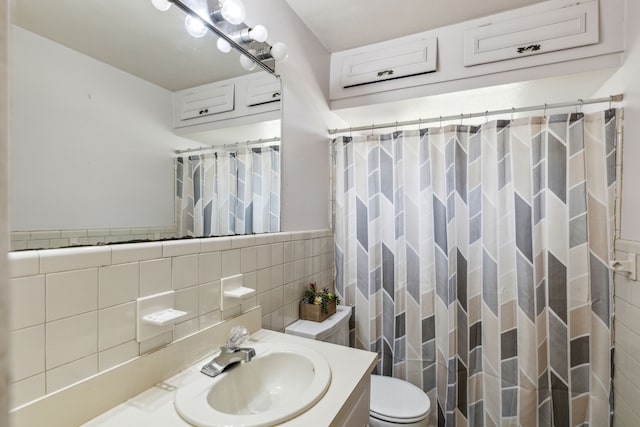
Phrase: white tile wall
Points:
(21, 240)
(118, 284)
(71, 338)
(70, 373)
(28, 293)
(27, 352)
(626, 381)
(73, 310)
(71, 292)
(155, 276)
(116, 325)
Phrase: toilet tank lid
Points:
(396, 399)
(320, 330)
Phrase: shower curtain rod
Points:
(579, 102)
(235, 144)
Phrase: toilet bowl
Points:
(394, 402)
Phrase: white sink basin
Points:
(281, 382)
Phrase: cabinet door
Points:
(263, 89)
(571, 26)
(205, 101)
(392, 62)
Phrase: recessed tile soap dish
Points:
(164, 317)
(156, 315)
(233, 291)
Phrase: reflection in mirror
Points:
(103, 94)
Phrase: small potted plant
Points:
(318, 304)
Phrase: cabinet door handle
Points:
(530, 48)
(205, 111)
(275, 94)
(382, 73)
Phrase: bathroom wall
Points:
(4, 208)
(306, 117)
(627, 342)
(73, 310)
(627, 292)
(625, 80)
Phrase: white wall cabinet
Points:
(395, 61)
(204, 101)
(247, 99)
(546, 39)
(571, 26)
(263, 89)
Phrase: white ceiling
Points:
(345, 24)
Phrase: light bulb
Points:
(248, 63)
(259, 33)
(223, 45)
(195, 26)
(233, 11)
(279, 52)
(161, 5)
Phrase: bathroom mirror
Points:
(93, 138)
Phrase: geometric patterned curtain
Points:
(228, 193)
(476, 258)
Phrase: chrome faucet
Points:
(230, 353)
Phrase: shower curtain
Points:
(476, 258)
(228, 192)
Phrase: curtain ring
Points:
(461, 117)
(486, 117)
(440, 122)
(396, 126)
(350, 134)
(610, 99)
(513, 111)
(544, 114)
(371, 129)
(419, 124)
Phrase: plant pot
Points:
(314, 312)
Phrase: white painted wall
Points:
(90, 144)
(626, 80)
(305, 116)
(4, 212)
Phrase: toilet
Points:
(394, 402)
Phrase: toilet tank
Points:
(334, 329)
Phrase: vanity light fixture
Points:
(225, 20)
(232, 11)
(195, 27)
(223, 45)
(258, 33)
(246, 62)
(161, 5)
(247, 35)
(279, 52)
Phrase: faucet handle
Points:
(237, 336)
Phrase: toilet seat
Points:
(397, 401)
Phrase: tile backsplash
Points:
(73, 310)
(626, 378)
(47, 239)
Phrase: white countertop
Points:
(154, 407)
